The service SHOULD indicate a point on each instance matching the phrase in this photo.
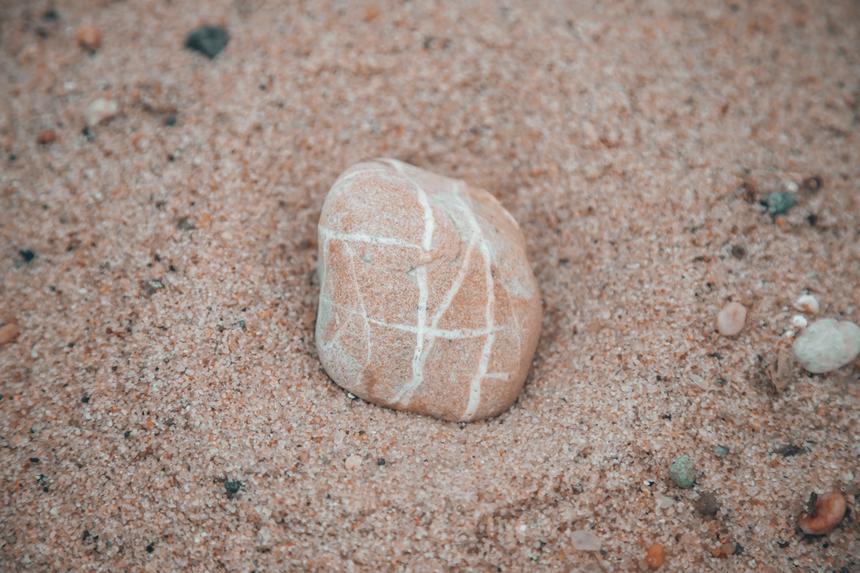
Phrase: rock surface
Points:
(731, 319)
(827, 344)
(427, 300)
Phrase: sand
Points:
(163, 407)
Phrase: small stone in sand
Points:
(47, 137)
(585, 540)
(683, 472)
(799, 321)
(27, 255)
(9, 332)
(828, 344)
(152, 286)
(232, 487)
(721, 451)
(89, 38)
(707, 504)
(825, 512)
(731, 319)
(352, 461)
(655, 556)
(101, 110)
(807, 303)
(779, 202)
(207, 40)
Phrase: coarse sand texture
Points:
(683, 178)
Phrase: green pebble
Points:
(721, 451)
(682, 472)
(779, 202)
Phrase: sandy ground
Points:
(163, 407)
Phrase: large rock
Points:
(427, 300)
(827, 344)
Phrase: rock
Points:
(825, 513)
(799, 321)
(827, 344)
(9, 332)
(100, 110)
(47, 137)
(352, 461)
(427, 300)
(655, 556)
(663, 501)
(707, 504)
(208, 40)
(731, 319)
(779, 202)
(683, 472)
(721, 451)
(89, 38)
(585, 540)
(807, 303)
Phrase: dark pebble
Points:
(150, 548)
(232, 487)
(85, 398)
(812, 219)
(208, 40)
(780, 202)
(738, 251)
(50, 15)
(35, 460)
(152, 286)
(27, 255)
(170, 121)
(380, 462)
(707, 504)
(812, 183)
(184, 224)
(789, 450)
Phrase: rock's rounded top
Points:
(427, 301)
(827, 344)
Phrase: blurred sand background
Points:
(163, 408)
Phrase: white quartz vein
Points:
(367, 334)
(486, 351)
(329, 233)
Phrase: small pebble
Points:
(152, 286)
(47, 137)
(683, 472)
(731, 319)
(825, 513)
(9, 332)
(799, 321)
(721, 451)
(827, 344)
(807, 303)
(655, 556)
(780, 202)
(232, 487)
(725, 550)
(585, 540)
(27, 255)
(89, 38)
(352, 461)
(707, 504)
(208, 40)
(101, 110)
(663, 501)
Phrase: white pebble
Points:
(806, 303)
(798, 321)
(352, 461)
(101, 110)
(827, 344)
(585, 540)
(731, 319)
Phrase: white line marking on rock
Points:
(360, 294)
(486, 351)
(329, 233)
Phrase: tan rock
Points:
(427, 300)
(731, 319)
(89, 38)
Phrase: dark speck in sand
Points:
(27, 255)
(208, 40)
(789, 450)
(232, 487)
